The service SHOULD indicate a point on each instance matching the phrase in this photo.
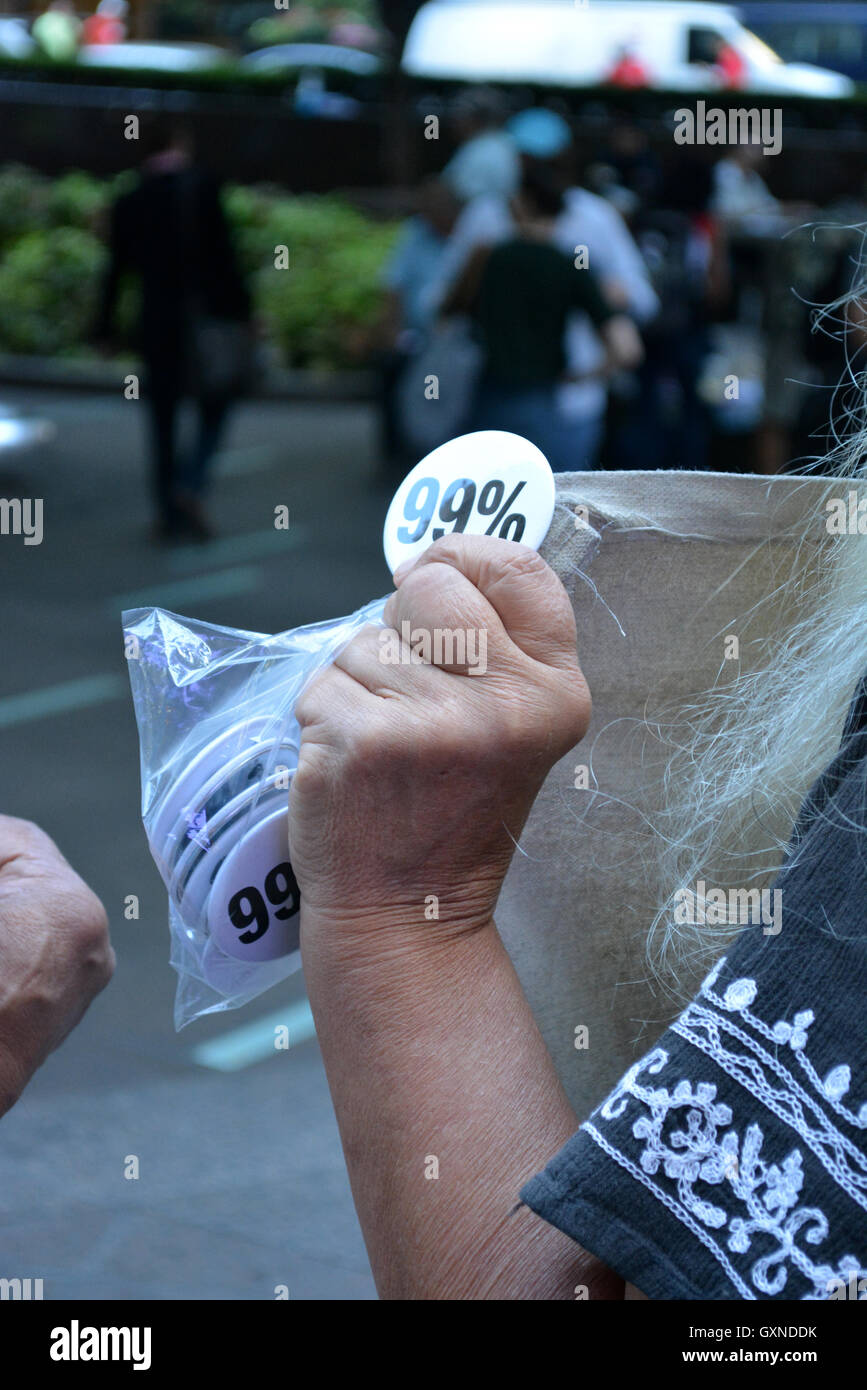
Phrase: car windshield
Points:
(758, 51)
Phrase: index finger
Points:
(522, 589)
(24, 840)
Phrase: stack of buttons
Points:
(220, 836)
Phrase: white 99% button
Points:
(490, 483)
(253, 905)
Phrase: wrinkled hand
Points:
(55, 954)
(416, 779)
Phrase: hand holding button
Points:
(415, 777)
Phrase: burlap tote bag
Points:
(664, 570)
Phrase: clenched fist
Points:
(416, 776)
(55, 954)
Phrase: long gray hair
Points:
(744, 752)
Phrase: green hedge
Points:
(52, 255)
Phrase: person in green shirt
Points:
(520, 294)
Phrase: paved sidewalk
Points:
(242, 1185)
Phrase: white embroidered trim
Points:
(710, 1152)
(673, 1206)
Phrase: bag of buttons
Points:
(219, 747)
(219, 739)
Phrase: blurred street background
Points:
(242, 1183)
(348, 184)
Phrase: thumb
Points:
(523, 590)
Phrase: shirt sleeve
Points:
(613, 252)
(731, 1161)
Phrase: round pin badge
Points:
(253, 907)
(195, 869)
(186, 797)
(194, 818)
(490, 483)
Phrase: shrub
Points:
(51, 258)
(24, 203)
(78, 200)
(315, 309)
(48, 286)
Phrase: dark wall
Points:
(58, 128)
(249, 136)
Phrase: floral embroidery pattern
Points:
(718, 1183)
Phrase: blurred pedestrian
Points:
(57, 31)
(812, 359)
(628, 70)
(740, 195)
(587, 228)
(194, 327)
(106, 24)
(414, 262)
(637, 167)
(486, 161)
(407, 315)
(728, 65)
(660, 419)
(520, 293)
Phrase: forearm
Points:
(436, 1066)
(622, 343)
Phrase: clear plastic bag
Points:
(219, 746)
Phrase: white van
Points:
(575, 43)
